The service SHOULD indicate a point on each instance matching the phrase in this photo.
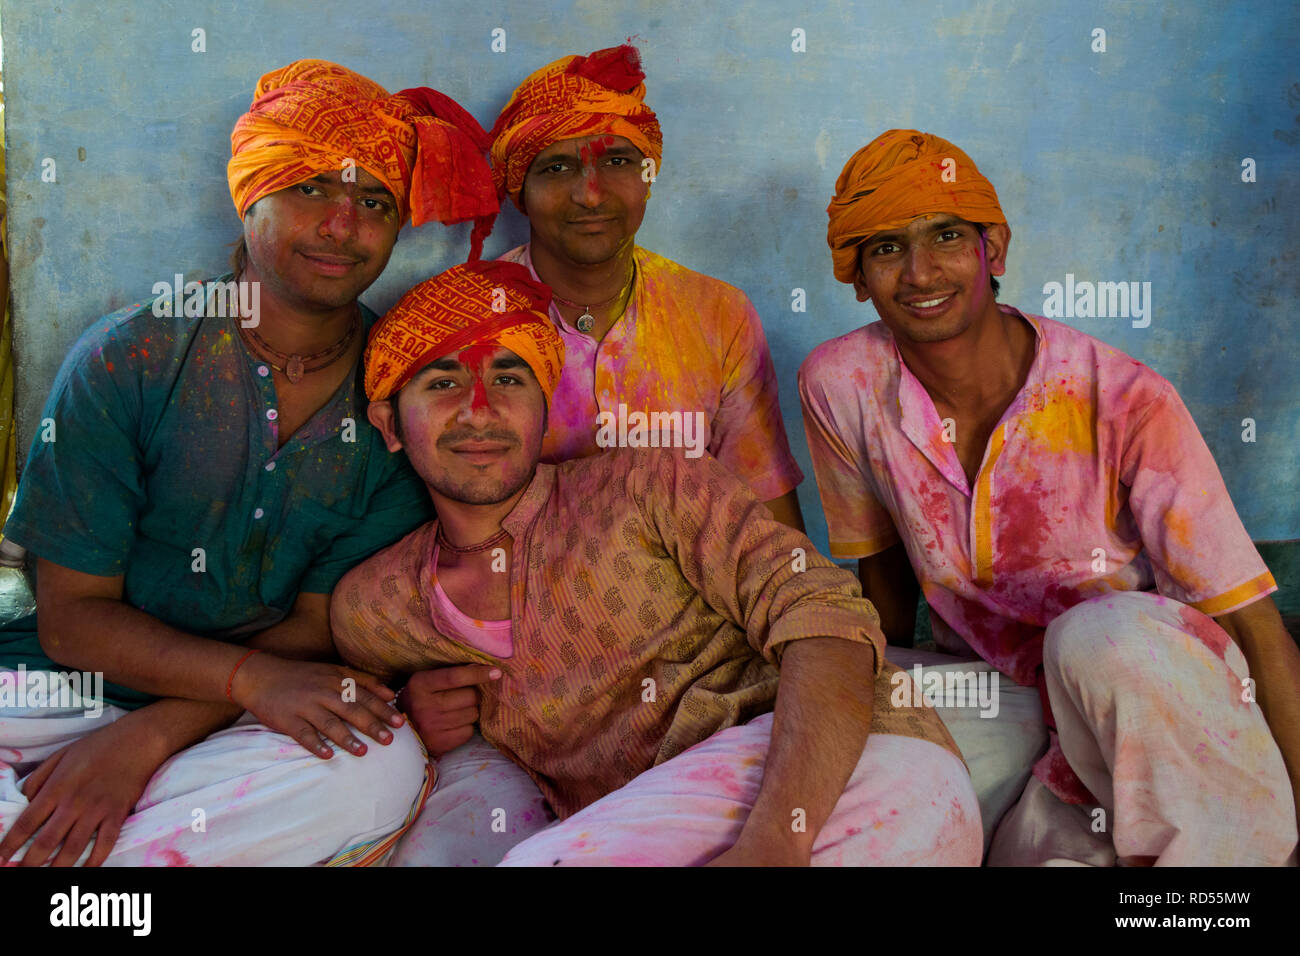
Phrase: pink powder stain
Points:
(243, 787)
(1205, 630)
(853, 831)
(175, 858)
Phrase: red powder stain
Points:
(475, 359)
(175, 858)
(1204, 630)
(109, 366)
(1022, 527)
(853, 831)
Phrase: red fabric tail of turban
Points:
(456, 185)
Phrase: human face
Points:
(472, 425)
(585, 198)
(929, 281)
(319, 244)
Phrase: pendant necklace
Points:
(586, 322)
(295, 366)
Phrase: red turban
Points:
(312, 117)
(572, 97)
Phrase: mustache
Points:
(468, 434)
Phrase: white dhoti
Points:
(909, 802)
(1156, 717)
(483, 804)
(245, 796)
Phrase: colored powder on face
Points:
(475, 359)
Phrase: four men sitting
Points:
(627, 655)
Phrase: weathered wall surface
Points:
(1123, 165)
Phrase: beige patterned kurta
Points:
(633, 564)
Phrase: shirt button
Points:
(258, 513)
(270, 466)
(263, 371)
(272, 414)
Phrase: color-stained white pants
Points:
(1159, 726)
(909, 802)
(264, 799)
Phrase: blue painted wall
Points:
(1123, 165)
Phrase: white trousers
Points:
(245, 796)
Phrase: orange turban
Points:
(898, 176)
(572, 97)
(314, 117)
(476, 303)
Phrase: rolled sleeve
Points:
(764, 576)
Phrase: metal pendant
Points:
(586, 322)
(294, 370)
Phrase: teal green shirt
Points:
(157, 458)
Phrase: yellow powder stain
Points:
(1062, 424)
(735, 813)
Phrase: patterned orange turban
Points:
(898, 176)
(313, 117)
(476, 303)
(572, 97)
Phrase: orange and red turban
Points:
(476, 303)
(572, 97)
(313, 117)
(898, 176)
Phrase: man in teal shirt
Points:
(202, 478)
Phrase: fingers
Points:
(435, 721)
(36, 779)
(447, 741)
(54, 831)
(109, 830)
(446, 678)
(80, 835)
(307, 736)
(443, 701)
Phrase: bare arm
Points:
(821, 723)
(785, 509)
(1275, 664)
(889, 583)
(87, 789)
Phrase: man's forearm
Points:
(819, 729)
(173, 724)
(1275, 666)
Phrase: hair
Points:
(397, 417)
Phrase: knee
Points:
(385, 781)
(1101, 634)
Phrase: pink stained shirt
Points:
(1096, 479)
(687, 342)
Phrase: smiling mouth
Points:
(928, 306)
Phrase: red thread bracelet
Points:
(231, 682)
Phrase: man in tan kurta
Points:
(636, 604)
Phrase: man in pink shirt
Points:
(1065, 521)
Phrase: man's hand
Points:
(443, 704)
(306, 700)
(84, 791)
